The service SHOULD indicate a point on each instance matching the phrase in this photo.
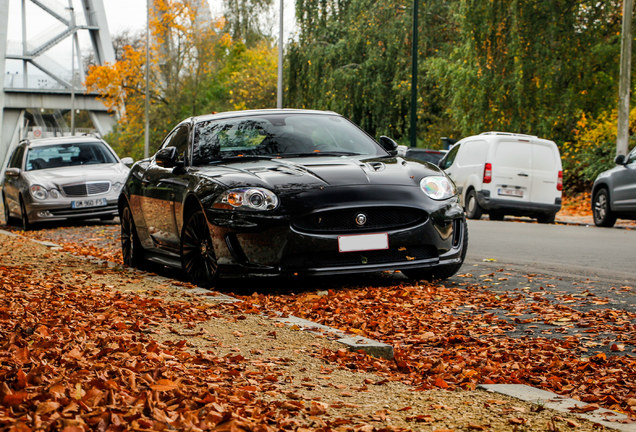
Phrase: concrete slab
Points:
(607, 418)
(353, 343)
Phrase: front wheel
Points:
(603, 215)
(131, 250)
(197, 252)
(473, 209)
(24, 217)
(443, 271)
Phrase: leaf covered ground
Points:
(84, 343)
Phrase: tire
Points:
(603, 215)
(440, 272)
(131, 249)
(24, 217)
(8, 220)
(473, 209)
(197, 252)
(546, 218)
(496, 216)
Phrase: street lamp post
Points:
(413, 126)
(147, 95)
(279, 92)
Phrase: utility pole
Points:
(279, 92)
(147, 96)
(413, 128)
(624, 82)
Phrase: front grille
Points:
(86, 189)
(345, 259)
(344, 220)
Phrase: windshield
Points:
(280, 135)
(62, 155)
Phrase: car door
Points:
(624, 182)
(162, 189)
(13, 180)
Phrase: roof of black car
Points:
(231, 114)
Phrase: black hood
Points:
(281, 175)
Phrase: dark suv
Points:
(614, 192)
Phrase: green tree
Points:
(354, 56)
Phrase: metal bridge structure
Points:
(43, 73)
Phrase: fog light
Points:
(44, 213)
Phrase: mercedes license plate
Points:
(363, 242)
(97, 202)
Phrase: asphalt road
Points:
(607, 254)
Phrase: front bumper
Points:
(275, 246)
(61, 209)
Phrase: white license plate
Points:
(511, 192)
(97, 202)
(363, 242)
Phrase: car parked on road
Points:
(425, 155)
(52, 179)
(502, 173)
(288, 192)
(614, 192)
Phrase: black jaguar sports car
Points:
(288, 192)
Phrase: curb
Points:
(559, 403)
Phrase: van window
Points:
(514, 154)
(450, 156)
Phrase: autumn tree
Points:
(195, 68)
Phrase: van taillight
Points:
(487, 173)
(560, 181)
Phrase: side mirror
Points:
(128, 161)
(619, 160)
(166, 157)
(389, 145)
(12, 172)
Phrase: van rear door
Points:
(511, 170)
(546, 164)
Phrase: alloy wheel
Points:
(131, 249)
(197, 252)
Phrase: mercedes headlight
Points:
(438, 187)
(39, 192)
(248, 199)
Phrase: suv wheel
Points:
(603, 215)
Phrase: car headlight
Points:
(438, 187)
(117, 187)
(54, 193)
(248, 199)
(39, 192)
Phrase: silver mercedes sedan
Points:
(52, 179)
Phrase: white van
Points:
(502, 173)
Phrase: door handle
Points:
(522, 174)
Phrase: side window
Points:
(450, 156)
(631, 158)
(16, 158)
(179, 139)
